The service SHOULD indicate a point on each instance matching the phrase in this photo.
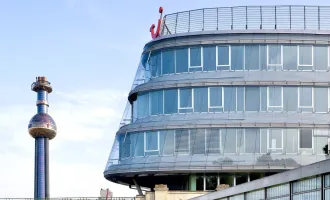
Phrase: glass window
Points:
(151, 141)
(274, 56)
(252, 140)
(200, 99)
(195, 58)
(197, 141)
(167, 142)
(240, 98)
(291, 143)
(306, 139)
(156, 102)
(211, 181)
(181, 57)
(320, 57)
(275, 98)
(315, 195)
(306, 185)
(124, 145)
(182, 141)
(264, 140)
(275, 139)
(185, 100)
(168, 62)
(306, 99)
(263, 99)
(290, 98)
(170, 101)
(223, 56)
(230, 98)
(228, 140)
(213, 140)
(321, 141)
(216, 99)
(252, 57)
(290, 61)
(240, 140)
(143, 105)
(305, 55)
(237, 57)
(200, 182)
(279, 190)
(255, 195)
(137, 144)
(209, 58)
(155, 63)
(321, 99)
(252, 100)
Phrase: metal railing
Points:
(74, 198)
(248, 18)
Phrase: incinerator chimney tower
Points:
(42, 127)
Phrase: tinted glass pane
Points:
(181, 56)
(230, 98)
(197, 141)
(182, 141)
(252, 140)
(240, 98)
(124, 145)
(275, 138)
(320, 57)
(209, 58)
(137, 144)
(263, 98)
(211, 181)
(171, 101)
(195, 56)
(291, 144)
(200, 99)
(290, 98)
(185, 96)
(223, 56)
(274, 55)
(200, 182)
(252, 57)
(321, 140)
(215, 96)
(237, 57)
(155, 63)
(228, 140)
(156, 102)
(290, 57)
(143, 105)
(213, 140)
(321, 99)
(168, 62)
(151, 140)
(167, 142)
(240, 140)
(252, 100)
(275, 96)
(305, 96)
(305, 55)
(306, 138)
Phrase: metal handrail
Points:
(284, 17)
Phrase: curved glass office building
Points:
(226, 96)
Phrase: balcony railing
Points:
(248, 18)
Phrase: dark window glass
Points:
(230, 98)
(213, 140)
(200, 99)
(156, 102)
(200, 182)
(197, 141)
(237, 57)
(155, 63)
(182, 141)
(209, 59)
(223, 56)
(306, 138)
(181, 56)
(195, 56)
(211, 181)
(170, 101)
(168, 62)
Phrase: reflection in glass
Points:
(228, 138)
(216, 102)
(274, 56)
(305, 54)
(200, 99)
(197, 141)
(170, 101)
(181, 56)
(182, 141)
(168, 62)
(237, 57)
(223, 56)
(195, 54)
(213, 140)
(252, 140)
(185, 100)
(251, 102)
(156, 102)
(211, 181)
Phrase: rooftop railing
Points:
(248, 18)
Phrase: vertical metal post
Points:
(234, 180)
(304, 17)
(176, 22)
(138, 188)
(260, 17)
(189, 22)
(275, 18)
(203, 19)
(217, 18)
(290, 16)
(204, 182)
(318, 18)
(248, 178)
(232, 18)
(246, 18)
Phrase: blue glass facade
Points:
(211, 106)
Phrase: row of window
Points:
(231, 99)
(304, 189)
(239, 57)
(224, 141)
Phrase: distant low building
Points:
(105, 193)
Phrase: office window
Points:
(237, 57)
(305, 55)
(290, 99)
(215, 99)
(197, 141)
(200, 99)
(209, 58)
(181, 60)
(229, 98)
(182, 145)
(151, 142)
(228, 140)
(156, 102)
(137, 144)
(291, 141)
(155, 63)
(275, 140)
(240, 140)
(170, 101)
(321, 99)
(306, 99)
(306, 138)
(195, 59)
(168, 62)
(240, 98)
(213, 141)
(275, 57)
(252, 99)
(328, 57)
(275, 98)
(252, 140)
(143, 105)
(223, 57)
(320, 140)
(185, 100)
(252, 57)
(167, 142)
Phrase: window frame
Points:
(217, 57)
(175, 149)
(298, 57)
(189, 63)
(300, 107)
(209, 100)
(267, 53)
(222, 147)
(268, 106)
(299, 148)
(206, 145)
(260, 141)
(268, 140)
(145, 144)
(192, 101)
